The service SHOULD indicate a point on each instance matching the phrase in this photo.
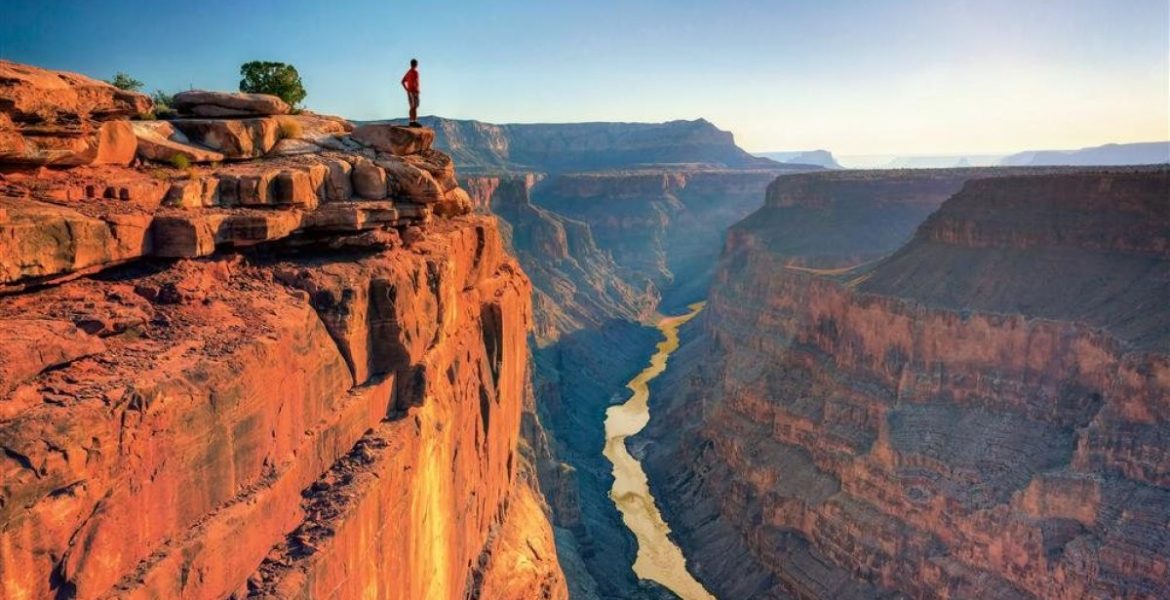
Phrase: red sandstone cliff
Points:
(983, 414)
(284, 376)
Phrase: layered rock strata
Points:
(983, 413)
(663, 227)
(251, 381)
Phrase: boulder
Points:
(235, 138)
(394, 139)
(228, 104)
(410, 182)
(438, 164)
(34, 95)
(369, 181)
(295, 188)
(160, 141)
(338, 185)
(455, 202)
(294, 147)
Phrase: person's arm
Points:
(403, 82)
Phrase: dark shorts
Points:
(412, 98)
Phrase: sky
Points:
(855, 77)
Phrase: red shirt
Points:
(410, 80)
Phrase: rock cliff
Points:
(981, 414)
(298, 373)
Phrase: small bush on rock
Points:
(181, 162)
(290, 129)
(123, 81)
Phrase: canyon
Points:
(253, 352)
(607, 246)
(975, 410)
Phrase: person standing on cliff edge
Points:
(410, 84)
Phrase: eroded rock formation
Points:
(981, 414)
(253, 380)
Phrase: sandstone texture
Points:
(981, 413)
(64, 119)
(228, 104)
(244, 380)
(396, 140)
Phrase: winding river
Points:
(659, 559)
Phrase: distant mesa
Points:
(820, 158)
(1146, 153)
(482, 147)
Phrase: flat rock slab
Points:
(40, 95)
(160, 141)
(395, 139)
(229, 104)
(69, 144)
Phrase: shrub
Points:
(123, 81)
(276, 78)
(181, 162)
(289, 129)
(162, 104)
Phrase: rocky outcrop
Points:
(245, 381)
(65, 119)
(979, 414)
(392, 139)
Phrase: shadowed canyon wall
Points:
(603, 249)
(301, 373)
(980, 414)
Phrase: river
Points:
(659, 559)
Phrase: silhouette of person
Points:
(410, 84)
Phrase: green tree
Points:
(276, 78)
(123, 81)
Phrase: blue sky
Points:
(856, 77)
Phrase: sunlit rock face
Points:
(981, 413)
(263, 378)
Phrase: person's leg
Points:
(413, 108)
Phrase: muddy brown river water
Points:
(659, 559)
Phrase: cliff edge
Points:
(287, 365)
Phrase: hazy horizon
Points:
(886, 77)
